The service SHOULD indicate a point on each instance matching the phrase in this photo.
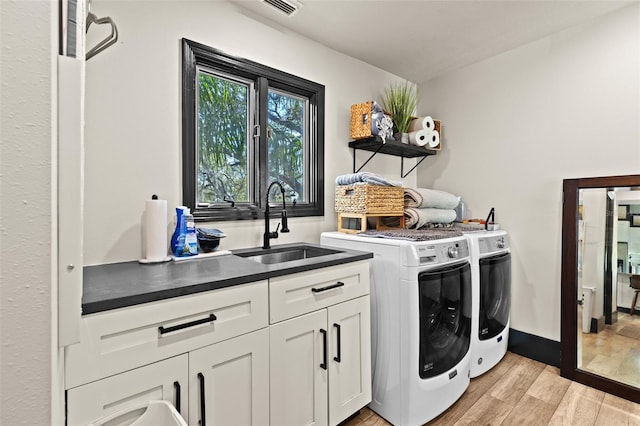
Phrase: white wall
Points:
(133, 137)
(519, 123)
(27, 241)
(594, 207)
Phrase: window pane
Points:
(288, 142)
(222, 129)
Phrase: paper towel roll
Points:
(419, 137)
(434, 140)
(155, 230)
(422, 123)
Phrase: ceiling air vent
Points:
(287, 7)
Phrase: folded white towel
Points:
(417, 218)
(366, 177)
(423, 197)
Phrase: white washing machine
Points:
(420, 323)
(491, 295)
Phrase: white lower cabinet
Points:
(163, 380)
(321, 365)
(217, 358)
(222, 384)
(229, 382)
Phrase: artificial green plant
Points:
(400, 100)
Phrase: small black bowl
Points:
(208, 244)
(209, 239)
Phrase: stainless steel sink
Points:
(285, 254)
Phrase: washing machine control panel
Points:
(441, 252)
(493, 244)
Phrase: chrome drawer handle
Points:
(164, 330)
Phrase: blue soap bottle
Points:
(190, 236)
(177, 243)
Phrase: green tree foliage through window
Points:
(223, 114)
(286, 115)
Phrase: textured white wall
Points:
(517, 124)
(133, 137)
(26, 79)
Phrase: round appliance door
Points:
(495, 295)
(445, 318)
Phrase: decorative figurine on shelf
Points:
(381, 123)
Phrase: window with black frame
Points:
(245, 125)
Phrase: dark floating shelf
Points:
(391, 147)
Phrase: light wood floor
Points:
(610, 354)
(520, 391)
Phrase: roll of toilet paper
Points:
(425, 123)
(434, 140)
(419, 137)
(155, 230)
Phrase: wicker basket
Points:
(370, 199)
(361, 120)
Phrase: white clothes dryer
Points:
(491, 296)
(420, 323)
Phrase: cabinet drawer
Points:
(297, 294)
(122, 339)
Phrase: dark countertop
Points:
(118, 285)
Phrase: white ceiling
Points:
(421, 39)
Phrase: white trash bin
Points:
(587, 308)
(151, 413)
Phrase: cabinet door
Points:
(164, 380)
(298, 381)
(232, 379)
(350, 358)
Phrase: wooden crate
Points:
(353, 223)
(370, 199)
(437, 126)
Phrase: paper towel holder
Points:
(152, 261)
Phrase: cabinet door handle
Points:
(337, 358)
(324, 349)
(176, 385)
(203, 421)
(164, 330)
(329, 287)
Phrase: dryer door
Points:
(495, 295)
(445, 318)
